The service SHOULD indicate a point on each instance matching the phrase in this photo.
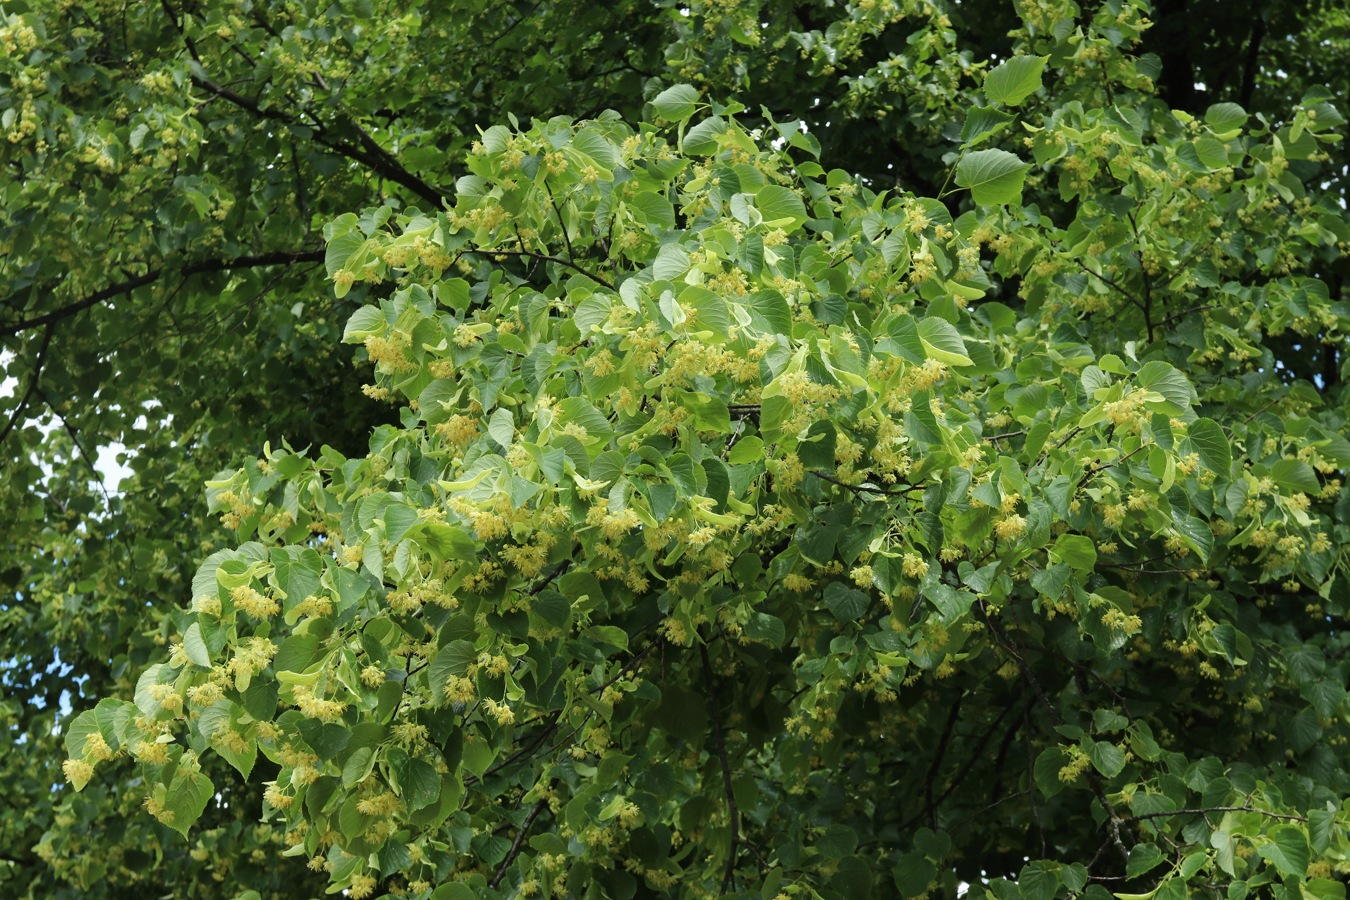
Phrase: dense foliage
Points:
(798, 450)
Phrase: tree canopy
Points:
(807, 450)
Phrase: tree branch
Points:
(526, 254)
(864, 489)
(200, 267)
(1006, 641)
(1102, 467)
(370, 154)
(1111, 284)
(38, 362)
(733, 813)
(1209, 809)
(520, 839)
(929, 805)
(79, 446)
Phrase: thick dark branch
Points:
(1009, 644)
(38, 362)
(548, 729)
(553, 719)
(929, 804)
(733, 813)
(1252, 64)
(1186, 312)
(969, 766)
(200, 267)
(370, 154)
(516, 844)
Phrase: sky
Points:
(106, 463)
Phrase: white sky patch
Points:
(110, 471)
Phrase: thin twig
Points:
(1209, 809)
(369, 153)
(864, 489)
(1093, 470)
(38, 362)
(199, 267)
(79, 446)
(929, 805)
(527, 254)
(1005, 640)
(733, 813)
(1109, 283)
(1266, 407)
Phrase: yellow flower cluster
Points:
(502, 713)
(1010, 527)
(253, 656)
(1077, 764)
(460, 690)
(379, 805)
(152, 753)
(77, 771)
(390, 353)
(317, 707)
(253, 603)
(315, 606)
(1128, 411)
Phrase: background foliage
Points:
(947, 487)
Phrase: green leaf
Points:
(941, 341)
(1210, 442)
(1211, 152)
(1046, 771)
(1225, 118)
(1052, 580)
(1144, 857)
(195, 647)
(502, 427)
(781, 207)
(1039, 880)
(186, 798)
(1288, 850)
(912, 874)
(845, 602)
(1014, 80)
(1166, 380)
(366, 321)
(702, 139)
(478, 756)
(767, 628)
(1195, 532)
(358, 766)
(1107, 758)
(453, 659)
(983, 122)
(677, 103)
(992, 176)
(1077, 550)
(78, 732)
(837, 841)
(1294, 475)
(446, 542)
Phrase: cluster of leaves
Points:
(721, 482)
(1119, 320)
